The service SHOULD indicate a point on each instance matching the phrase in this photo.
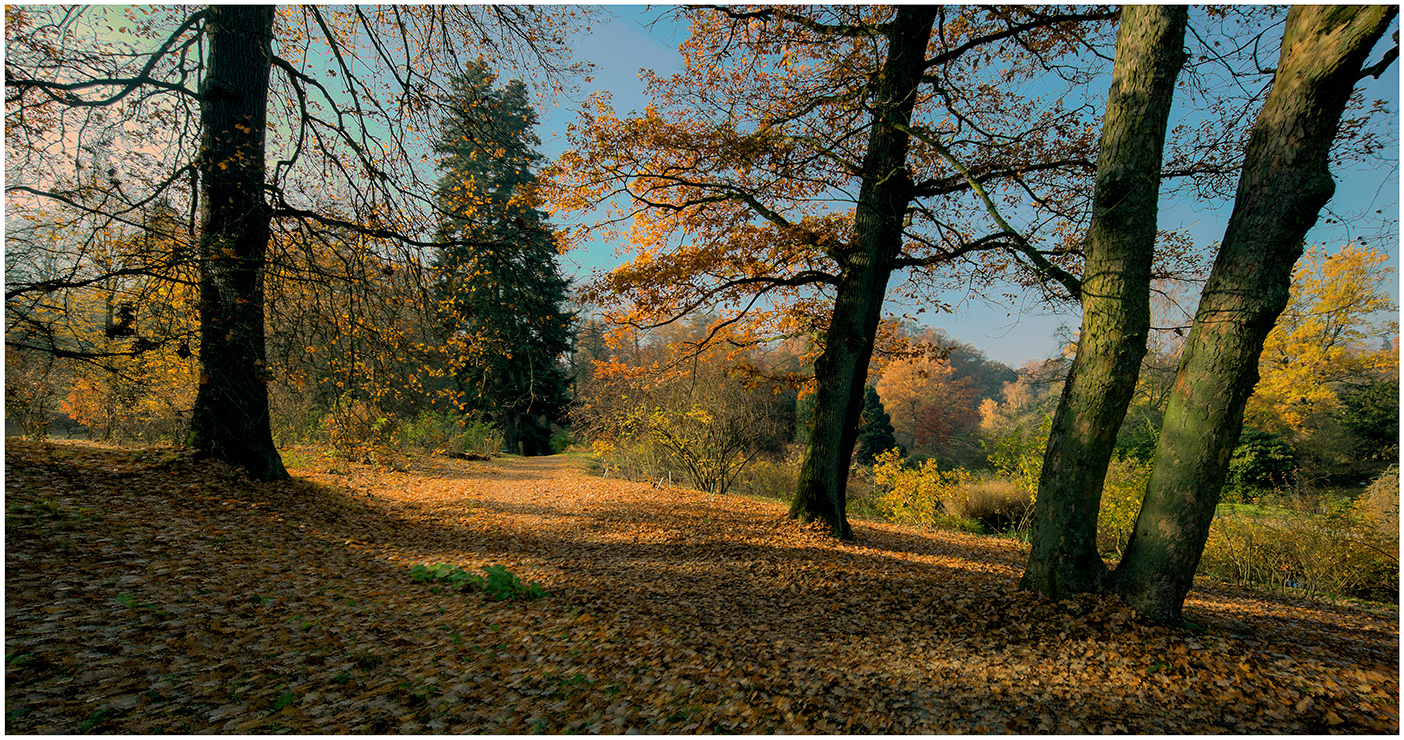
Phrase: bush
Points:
(294, 416)
(1315, 544)
(358, 429)
(448, 433)
(562, 441)
(1261, 460)
(1122, 493)
(925, 496)
(1378, 510)
(1016, 452)
(31, 395)
(998, 505)
(777, 479)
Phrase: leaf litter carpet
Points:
(148, 592)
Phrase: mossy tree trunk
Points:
(866, 263)
(230, 419)
(1284, 184)
(1115, 292)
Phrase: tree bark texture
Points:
(1284, 184)
(1119, 244)
(866, 264)
(230, 419)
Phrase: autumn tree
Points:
(1284, 183)
(805, 154)
(501, 289)
(1328, 336)
(930, 406)
(352, 338)
(190, 102)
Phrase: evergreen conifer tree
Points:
(875, 433)
(500, 290)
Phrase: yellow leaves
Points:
(1331, 331)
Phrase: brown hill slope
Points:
(146, 592)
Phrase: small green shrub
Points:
(448, 433)
(1262, 460)
(562, 441)
(498, 583)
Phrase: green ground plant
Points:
(498, 583)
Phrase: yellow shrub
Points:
(1122, 493)
(919, 496)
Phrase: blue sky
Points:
(1024, 331)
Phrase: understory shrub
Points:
(1122, 493)
(777, 479)
(294, 415)
(359, 429)
(998, 505)
(1312, 543)
(637, 462)
(925, 495)
(449, 433)
(1378, 509)
(562, 441)
(31, 398)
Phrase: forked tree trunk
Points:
(866, 264)
(230, 419)
(1120, 244)
(1284, 184)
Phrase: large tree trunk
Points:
(841, 370)
(1284, 184)
(230, 419)
(1120, 244)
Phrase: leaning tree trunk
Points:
(230, 419)
(1115, 291)
(841, 370)
(1283, 186)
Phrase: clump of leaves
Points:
(499, 583)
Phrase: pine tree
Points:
(500, 289)
(875, 433)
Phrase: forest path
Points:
(149, 592)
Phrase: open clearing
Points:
(147, 592)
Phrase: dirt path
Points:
(150, 593)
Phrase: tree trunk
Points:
(509, 432)
(1283, 186)
(1120, 244)
(230, 419)
(841, 370)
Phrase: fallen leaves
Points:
(148, 592)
